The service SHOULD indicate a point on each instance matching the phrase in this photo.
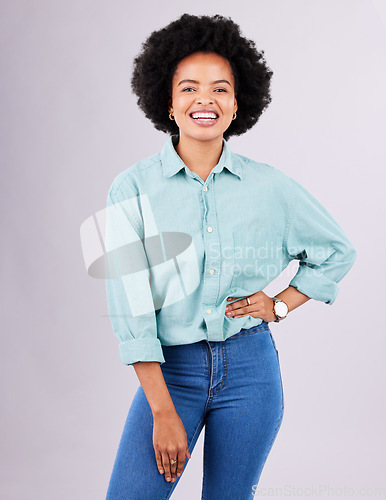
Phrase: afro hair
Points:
(155, 65)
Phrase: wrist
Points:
(164, 411)
(280, 309)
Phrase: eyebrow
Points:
(195, 81)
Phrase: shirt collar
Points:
(172, 163)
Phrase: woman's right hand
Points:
(170, 441)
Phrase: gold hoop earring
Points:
(171, 116)
(234, 116)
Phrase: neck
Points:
(199, 156)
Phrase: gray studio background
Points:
(69, 125)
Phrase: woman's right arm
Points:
(169, 435)
(130, 314)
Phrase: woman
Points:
(205, 230)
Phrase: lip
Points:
(204, 123)
(204, 110)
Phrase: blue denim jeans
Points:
(233, 388)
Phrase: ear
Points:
(235, 104)
(170, 107)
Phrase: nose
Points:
(204, 99)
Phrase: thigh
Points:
(135, 475)
(244, 418)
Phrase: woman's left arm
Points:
(324, 252)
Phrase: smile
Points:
(204, 119)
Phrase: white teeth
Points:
(199, 115)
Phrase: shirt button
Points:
(209, 311)
(205, 189)
(209, 229)
(211, 271)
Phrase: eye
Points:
(187, 88)
(221, 90)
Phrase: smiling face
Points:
(203, 98)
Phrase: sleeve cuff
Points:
(314, 284)
(145, 349)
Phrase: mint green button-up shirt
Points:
(185, 245)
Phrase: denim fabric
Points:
(233, 389)
(199, 242)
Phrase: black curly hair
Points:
(155, 65)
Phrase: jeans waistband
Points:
(244, 331)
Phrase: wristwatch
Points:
(280, 309)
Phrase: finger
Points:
(237, 302)
(159, 462)
(236, 310)
(245, 311)
(238, 313)
(234, 306)
(166, 465)
(181, 462)
(173, 467)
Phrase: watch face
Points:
(281, 309)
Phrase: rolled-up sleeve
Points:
(313, 237)
(128, 292)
